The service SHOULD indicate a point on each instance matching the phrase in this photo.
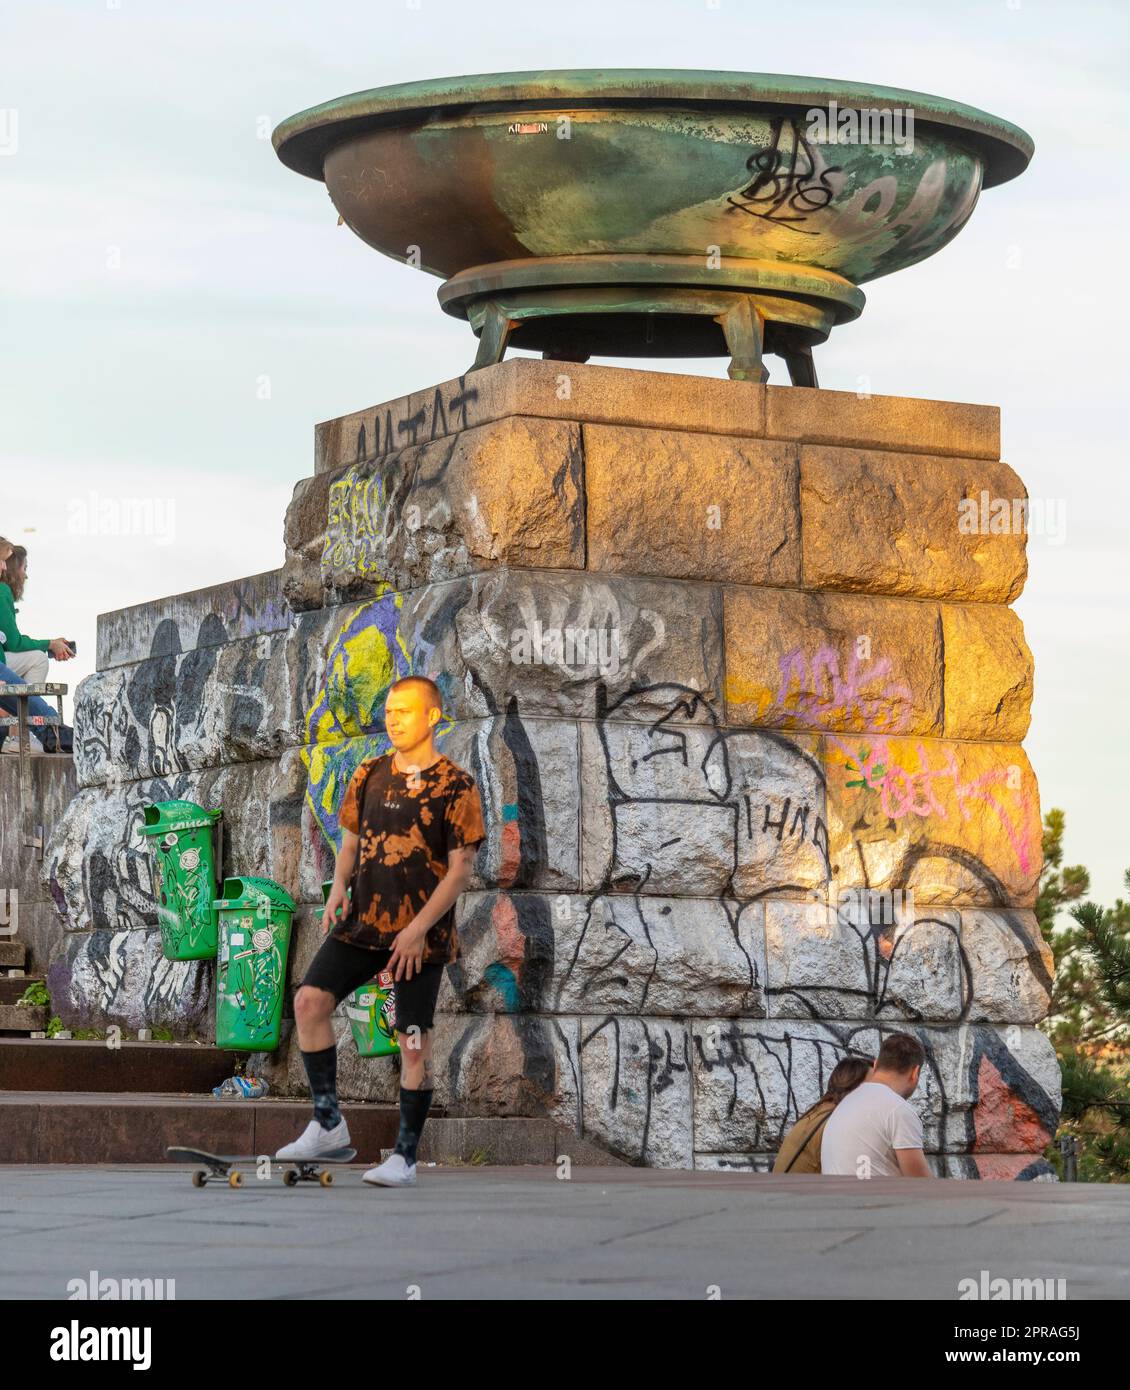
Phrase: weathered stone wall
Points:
(27, 913)
(745, 708)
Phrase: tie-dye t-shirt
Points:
(409, 824)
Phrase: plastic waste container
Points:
(181, 837)
(255, 918)
(371, 1009)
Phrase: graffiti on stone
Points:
(104, 977)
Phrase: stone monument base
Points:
(744, 698)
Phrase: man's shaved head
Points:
(430, 690)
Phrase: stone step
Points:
(70, 1064)
(12, 986)
(77, 1127)
(14, 1019)
(126, 1127)
(13, 954)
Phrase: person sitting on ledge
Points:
(800, 1148)
(23, 660)
(874, 1133)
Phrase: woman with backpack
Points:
(800, 1149)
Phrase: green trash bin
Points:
(371, 1009)
(181, 837)
(255, 916)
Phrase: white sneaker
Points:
(395, 1171)
(315, 1141)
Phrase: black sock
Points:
(413, 1112)
(321, 1072)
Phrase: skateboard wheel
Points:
(199, 1178)
(290, 1177)
(326, 1179)
(235, 1179)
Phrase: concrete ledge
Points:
(71, 1064)
(655, 400)
(75, 1127)
(886, 422)
(201, 618)
(14, 1019)
(507, 1142)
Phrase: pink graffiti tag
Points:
(828, 694)
(918, 791)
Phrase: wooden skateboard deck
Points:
(225, 1166)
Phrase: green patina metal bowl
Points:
(653, 213)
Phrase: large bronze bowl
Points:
(652, 213)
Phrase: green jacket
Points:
(11, 638)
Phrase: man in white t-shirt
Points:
(873, 1132)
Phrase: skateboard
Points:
(295, 1170)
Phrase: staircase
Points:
(72, 1101)
(14, 980)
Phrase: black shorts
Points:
(341, 967)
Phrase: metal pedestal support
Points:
(576, 307)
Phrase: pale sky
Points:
(179, 309)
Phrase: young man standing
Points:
(873, 1132)
(417, 821)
